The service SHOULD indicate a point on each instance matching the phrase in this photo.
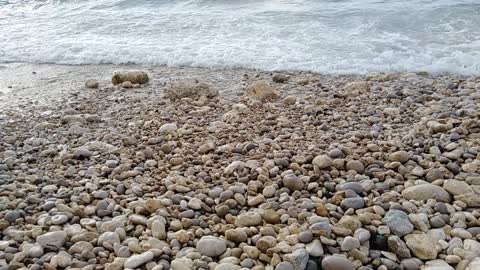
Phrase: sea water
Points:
(327, 36)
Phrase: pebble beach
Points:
(229, 169)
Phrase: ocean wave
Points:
(349, 36)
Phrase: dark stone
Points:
(311, 265)
(378, 242)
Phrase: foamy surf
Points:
(350, 36)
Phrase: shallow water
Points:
(343, 36)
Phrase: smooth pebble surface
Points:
(192, 171)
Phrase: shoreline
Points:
(249, 170)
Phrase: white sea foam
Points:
(343, 36)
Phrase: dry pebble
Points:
(236, 169)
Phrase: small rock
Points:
(12, 216)
(398, 222)
(315, 248)
(422, 246)
(249, 219)
(292, 182)
(350, 243)
(236, 235)
(399, 156)
(168, 128)
(337, 263)
(322, 161)
(279, 78)
(355, 165)
(189, 88)
(424, 192)
(82, 153)
(127, 84)
(138, 260)
(91, 83)
(298, 259)
(437, 265)
(211, 246)
(52, 240)
(284, 266)
(261, 90)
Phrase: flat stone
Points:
(425, 192)
(138, 260)
(52, 240)
(354, 202)
(158, 230)
(249, 219)
(437, 265)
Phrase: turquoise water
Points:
(347, 36)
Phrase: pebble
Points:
(284, 266)
(297, 258)
(350, 243)
(398, 222)
(52, 240)
(91, 83)
(422, 246)
(211, 246)
(315, 248)
(249, 219)
(139, 260)
(12, 216)
(425, 192)
(260, 175)
(337, 263)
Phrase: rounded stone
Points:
(305, 237)
(425, 192)
(399, 156)
(337, 263)
(322, 161)
(91, 83)
(355, 203)
(12, 216)
(398, 222)
(265, 242)
(292, 182)
(284, 266)
(355, 165)
(211, 246)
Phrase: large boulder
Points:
(189, 88)
(261, 90)
(133, 76)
